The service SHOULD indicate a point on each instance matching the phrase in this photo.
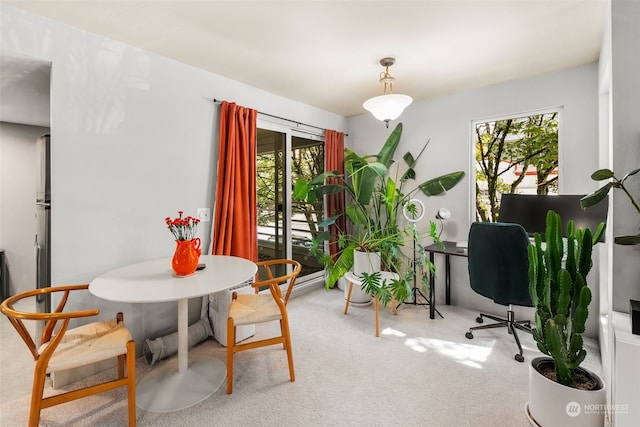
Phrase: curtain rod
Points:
(283, 118)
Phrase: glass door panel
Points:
(286, 227)
(307, 161)
(272, 235)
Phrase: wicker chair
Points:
(250, 309)
(62, 348)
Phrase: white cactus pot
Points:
(553, 404)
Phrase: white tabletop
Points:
(166, 389)
(154, 281)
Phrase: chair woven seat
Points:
(89, 344)
(250, 309)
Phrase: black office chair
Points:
(498, 269)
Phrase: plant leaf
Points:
(329, 189)
(301, 189)
(602, 174)
(409, 174)
(633, 172)
(596, 196)
(409, 160)
(599, 232)
(441, 184)
(320, 178)
(628, 240)
(328, 221)
(341, 266)
(389, 148)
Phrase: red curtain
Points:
(235, 229)
(334, 155)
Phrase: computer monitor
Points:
(530, 211)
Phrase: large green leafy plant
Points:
(375, 202)
(560, 294)
(601, 193)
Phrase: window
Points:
(285, 229)
(514, 155)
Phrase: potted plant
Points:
(597, 196)
(561, 393)
(374, 206)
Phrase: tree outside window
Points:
(516, 155)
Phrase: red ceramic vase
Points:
(186, 257)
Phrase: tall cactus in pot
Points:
(559, 292)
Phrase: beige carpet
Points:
(420, 372)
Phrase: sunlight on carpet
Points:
(467, 354)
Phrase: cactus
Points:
(560, 294)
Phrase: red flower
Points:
(182, 228)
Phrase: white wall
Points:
(625, 145)
(447, 121)
(18, 173)
(134, 140)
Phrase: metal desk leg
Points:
(432, 288)
(447, 280)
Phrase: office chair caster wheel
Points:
(469, 335)
(479, 320)
(519, 358)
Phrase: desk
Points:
(352, 278)
(450, 249)
(164, 389)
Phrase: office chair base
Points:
(510, 323)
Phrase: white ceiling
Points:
(326, 53)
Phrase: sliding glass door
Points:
(285, 229)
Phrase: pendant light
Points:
(388, 106)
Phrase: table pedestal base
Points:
(164, 389)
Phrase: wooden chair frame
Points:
(284, 338)
(53, 337)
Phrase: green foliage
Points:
(503, 145)
(560, 294)
(375, 201)
(386, 290)
(601, 193)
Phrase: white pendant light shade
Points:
(387, 107)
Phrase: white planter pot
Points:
(363, 262)
(357, 296)
(553, 404)
(366, 262)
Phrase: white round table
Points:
(166, 389)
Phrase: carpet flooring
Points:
(419, 372)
